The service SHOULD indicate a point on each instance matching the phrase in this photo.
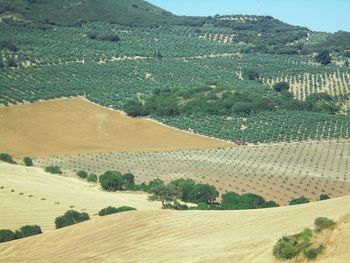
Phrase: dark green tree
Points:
(5, 157)
(299, 200)
(324, 57)
(281, 86)
(164, 193)
(28, 161)
(112, 181)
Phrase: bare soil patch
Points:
(68, 126)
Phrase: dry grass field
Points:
(69, 126)
(31, 196)
(184, 236)
(277, 172)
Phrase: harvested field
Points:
(278, 172)
(69, 126)
(183, 236)
(31, 196)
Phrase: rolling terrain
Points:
(71, 126)
(33, 196)
(241, 102)
(183, 236)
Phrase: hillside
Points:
(36, 197)
(69, 126)
(66, 12)
(175, 236)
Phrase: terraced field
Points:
(31, 196)
(278, 171)
(178, 236)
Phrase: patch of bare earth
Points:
(69, 126)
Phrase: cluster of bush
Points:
(204, 196)
(113, 210)
(24, 231)
(89, 177)
(304, 200)
(289, 247)
(225, 101)
(53, 169)
(71, 217)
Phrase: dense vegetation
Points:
(289, 247)
(135, 60)
(71, 217)
(24, 231)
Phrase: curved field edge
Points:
(31, 196)
(178, 236)
(68, 126)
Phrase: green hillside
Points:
(68, 12)
(233, 61)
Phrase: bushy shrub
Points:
(112, 181)
(28, 161)
(299, 200)
(5, 157)
(312, 253)
(82, 174)
(25, 231)
(112, 210)
(6, 235)
(108, 211)
(324, 197)
(176, 206)
(322, 223)
(234, 201)
(53, 169)
(29, 230)
(281, 86)
(286, 247)
(71, 217)
(92, 178)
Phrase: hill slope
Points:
(76, 126)
(39, 197)
(67, 12)
(175, 236)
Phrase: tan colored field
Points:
(172, 236)
(31, 196)
(277, 172)
(69, 126)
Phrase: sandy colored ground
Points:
(68, 126)
(161, 235)
(39, 197)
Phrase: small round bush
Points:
(53, 169)
(324, 197)
(312, 253)
(92, 178)
(322, 223)
(286, 248)
(5, 157)
(28, 161)
(71, 217)
(82, 174)
(299, 200)
(108, 211)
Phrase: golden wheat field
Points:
(32, 196)
(68, 126)
(151, 234)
